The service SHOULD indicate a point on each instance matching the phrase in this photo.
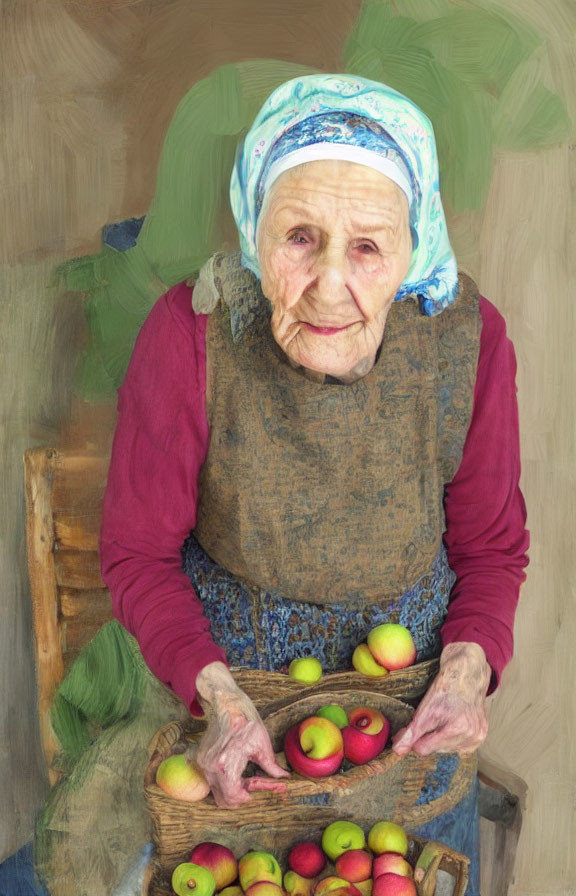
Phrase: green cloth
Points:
(105, 713)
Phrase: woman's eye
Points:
(367, 248)
(298, 237)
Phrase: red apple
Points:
(394, 885)
(391, 862)
(354, 865)
(219, 860)
(301, 763)
(307, 859)
(264, 888)
(392, 646)
(366, 735)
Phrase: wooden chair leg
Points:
(502, 802)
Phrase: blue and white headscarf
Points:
(350, 118)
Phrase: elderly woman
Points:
(319, 436)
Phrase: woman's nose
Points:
(332, 272)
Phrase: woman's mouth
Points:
(326, 331)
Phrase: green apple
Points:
(392, 646)
(364, 662)
(385, 836)
(234, 890)
(182, 778)
(319, 737)
(341, 836)
(365, 887)
(335, 886)
(296, 885)
(189, 878)
(306, 669)
(255, 867)
(335, 713)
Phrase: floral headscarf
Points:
(346, 117)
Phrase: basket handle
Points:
(427, 866)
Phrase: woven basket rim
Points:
(177, 734)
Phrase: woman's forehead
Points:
(322, 186)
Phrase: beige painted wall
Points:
(87, 90)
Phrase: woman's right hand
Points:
(235, 735)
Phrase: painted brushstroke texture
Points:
(88, 91)
(471, 70)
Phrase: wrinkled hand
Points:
(234, 736)
(452, 715)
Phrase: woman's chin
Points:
(346, 367)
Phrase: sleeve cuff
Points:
(186, 668)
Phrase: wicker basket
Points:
(274, 822)
(264, 687)
(445, 859)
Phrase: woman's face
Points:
(334, 246)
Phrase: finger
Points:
(229, 797)
(257, 782)
(267, 762)
(446, 740)
(403, 740)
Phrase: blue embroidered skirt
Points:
(259, 629)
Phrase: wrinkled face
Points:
(334, 246)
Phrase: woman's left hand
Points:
(452, 715)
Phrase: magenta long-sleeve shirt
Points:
(160, 444)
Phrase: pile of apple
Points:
(360, 866)
(317, 746)
(387, 648)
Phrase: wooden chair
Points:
(70, 602)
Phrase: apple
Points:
(340, 836)
(365, 886)
(366, 735)
(302, 763)
(335, 713)
(188, 878)
(296, 885)
(392, 646)
(333, 884)
(319, 737)
(354, 865)
(182, 778)
(264, 888)
(391, 863)
(219, 860)
(307, 859)
(394, 885)
(364, 662)
(306, 669)
(348, 890)
(236, 890)
(256, 866)
(385, 836)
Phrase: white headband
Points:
(317, 152)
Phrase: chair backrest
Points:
(64, 492)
